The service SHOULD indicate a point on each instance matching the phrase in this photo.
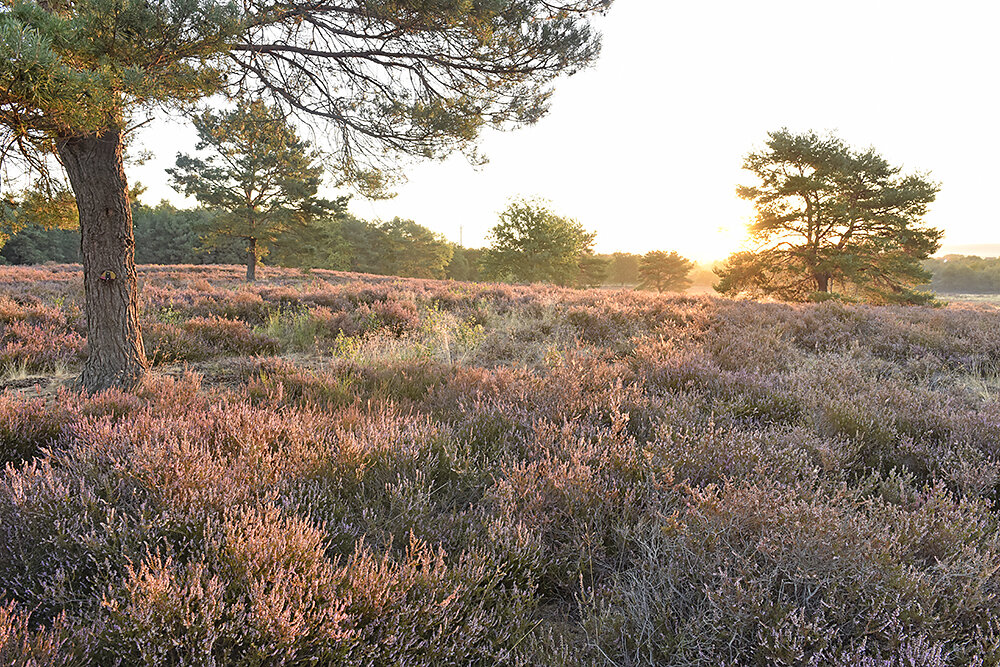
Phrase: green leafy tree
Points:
(318, 245)
(465, 264)
(37, 209)
(664, 271)
(165, 234)
(410, 250)
(259, 177)
(34, 244)
(964, 274)
(390, 78)
(593, 270)
(533, 244)
(624, 268)
(829, 217)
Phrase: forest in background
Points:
(165, 234)
(168, 235)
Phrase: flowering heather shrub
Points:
(171, 343)
(230, 336)
(395, 315)
(23, 645)
(365, 470)
(28, 425)
(32, 347)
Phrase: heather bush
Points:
(804, 578)
(24, 645)
(341, 469)
(32, 347)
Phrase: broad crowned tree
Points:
(390, 78)
(533, 244)
(664, 271)
(832, 219)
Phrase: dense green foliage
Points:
(35, 244)
(531, 243)
(397, 247)
(623, 268)
(334, 469)
(80, 68)
(959, 274)
(594, 270)
(832, 220)
(465, 264)
(167, 235)
(664, 271)
(258, 177)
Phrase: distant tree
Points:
(624, 268)
(964, 274)
(361, 239)
(465, 264)
(830, 217)
(533, 244)
(41, 224)
(664, 271)
(318, 245)
(410, 250)
(41, 208)
(703, 275)
(259, 177)
(593, 270)
(34, 244)
(165, 234)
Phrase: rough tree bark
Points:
(251, 259)
(116, 356)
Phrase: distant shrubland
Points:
(326, 468)
(965, 274)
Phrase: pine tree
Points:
(664, 271)
(387, 78)
(258, 177)
(829, 219)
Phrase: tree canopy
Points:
(387, 78)
(624, 268)
(421, 77)
(664, 271)
(831, 219)
(258, 176)
(533, 244)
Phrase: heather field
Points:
(337, 469)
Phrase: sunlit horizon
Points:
(646, 147)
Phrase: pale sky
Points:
(645, 148)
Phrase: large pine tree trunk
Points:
(116, 357)
(251, 259)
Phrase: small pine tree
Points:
(664, 271)
(258, 175)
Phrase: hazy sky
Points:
(645, 147)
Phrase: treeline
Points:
(545, 248)
(165, 234)
(964, 274)
(168, 235)
(257, 184)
